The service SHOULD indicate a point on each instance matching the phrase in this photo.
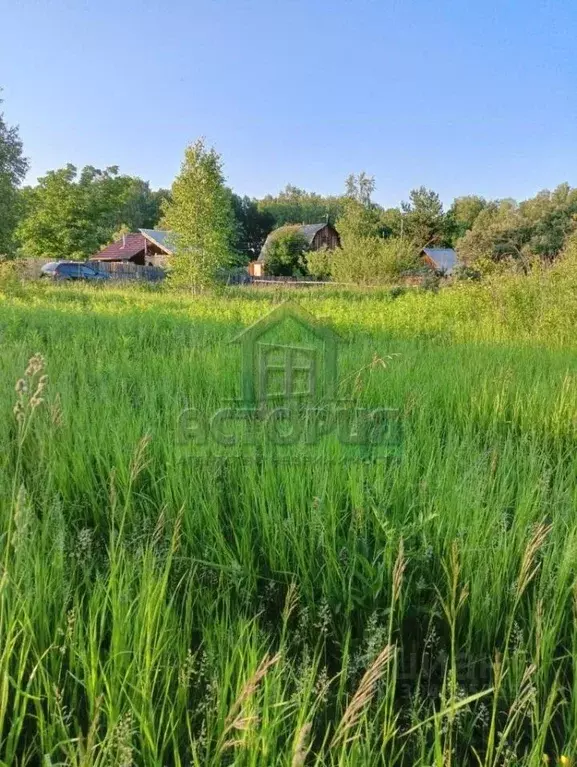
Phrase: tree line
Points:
(72, 213)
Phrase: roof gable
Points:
(308, 231)
(161, 238)
(444, 258)
(287, 310)
(128, 246)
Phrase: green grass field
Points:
(418, 610)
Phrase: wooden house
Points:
(442, 260)
(317, 236)
(147, 247)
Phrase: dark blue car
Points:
(72, 270)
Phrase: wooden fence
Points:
(295, 282)
(242, 278)
(121, 270)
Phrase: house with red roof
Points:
(147, 247)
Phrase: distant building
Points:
(317, 236)
(147, 247)
(440, 259)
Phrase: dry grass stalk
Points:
(291, 601)
(362, 696)
(526, 691)
(538, 629)
(237, 719)
(86, 749)
(529, 567)
(398, 571)
(302, 746)
(56, 414)
(139, 461)
(158, 531)
(112, 491)
(175, 543)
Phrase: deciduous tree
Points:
(71, 215)
(13, 167)
(296, 206)
(201, 215)
(252, 227)
(462, 215)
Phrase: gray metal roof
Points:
(444, 258)
(164, 240)
(311, 230)
(308, 231)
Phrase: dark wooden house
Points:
(147, 247)
(317, 236)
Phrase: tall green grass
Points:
(414, 611)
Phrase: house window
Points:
(286, 371)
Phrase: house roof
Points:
(444, 258)
(308, 231)
(287, 310)
(123, 249)
(134, 243)
(160, 238)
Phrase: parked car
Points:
(71, 270)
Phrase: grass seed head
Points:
(362, 697)
(529, 564)
(398, 571)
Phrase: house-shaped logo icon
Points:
(300, 371)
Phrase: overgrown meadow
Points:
(419, 610)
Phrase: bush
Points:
(431, 281)
(10, 274)
(319, 263)
(397, 291)
(285, 253)
(466, 273)
(373, 260)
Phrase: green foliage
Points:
(143, 206)
(319, 263)
(462, 215)
(372, 260)
(360, 188)
(359, 220)
(9, 275)
(423, 219)
(200, 213)
(521, 234)
(13, 167)
(285, 253)
(392, 223)
(500, 234)
(370, 254)
(72, 215)
(295, 206)
(252, 228)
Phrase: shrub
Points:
(285, 253)
(319, 263)
(10, 274)
(373, 260)
(397, 291)
(431, 281)
(467, 273)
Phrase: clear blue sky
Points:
(464, 96)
